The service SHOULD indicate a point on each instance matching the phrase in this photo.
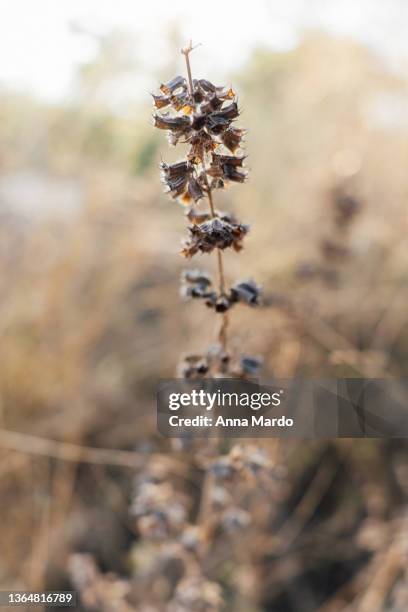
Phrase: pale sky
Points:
(39, 51)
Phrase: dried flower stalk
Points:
(334, 247)
(202, 115)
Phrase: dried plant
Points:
(202, 115)
(183, 534)
(334, 248)
(178, 536)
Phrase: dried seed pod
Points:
(205, 86)
(193, 366)
(196, 284)
(198, 292)
(222, 304)
(160, 101)
(232, 138)
(195, 190)
(171, 86)
(176, 177)
(250, 366)
(246, 291)
(216, 124)
(232, 174)
(196, 593)
(216, 233)
(172, 171)
(232, 160)
(182, 102)
(211, 105)
(196, 277)
(224, 167)
(174, 124)
(229, 112)
(200, 143)
(198, 122)
(180, 181)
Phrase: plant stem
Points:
(209, 191)
(222, 334)
(221, 271)
(186, 52)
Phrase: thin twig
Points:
(209, 192)
(65, 451)
(186, 52)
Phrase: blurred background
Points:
(90, 313)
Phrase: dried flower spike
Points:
(202, 115)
